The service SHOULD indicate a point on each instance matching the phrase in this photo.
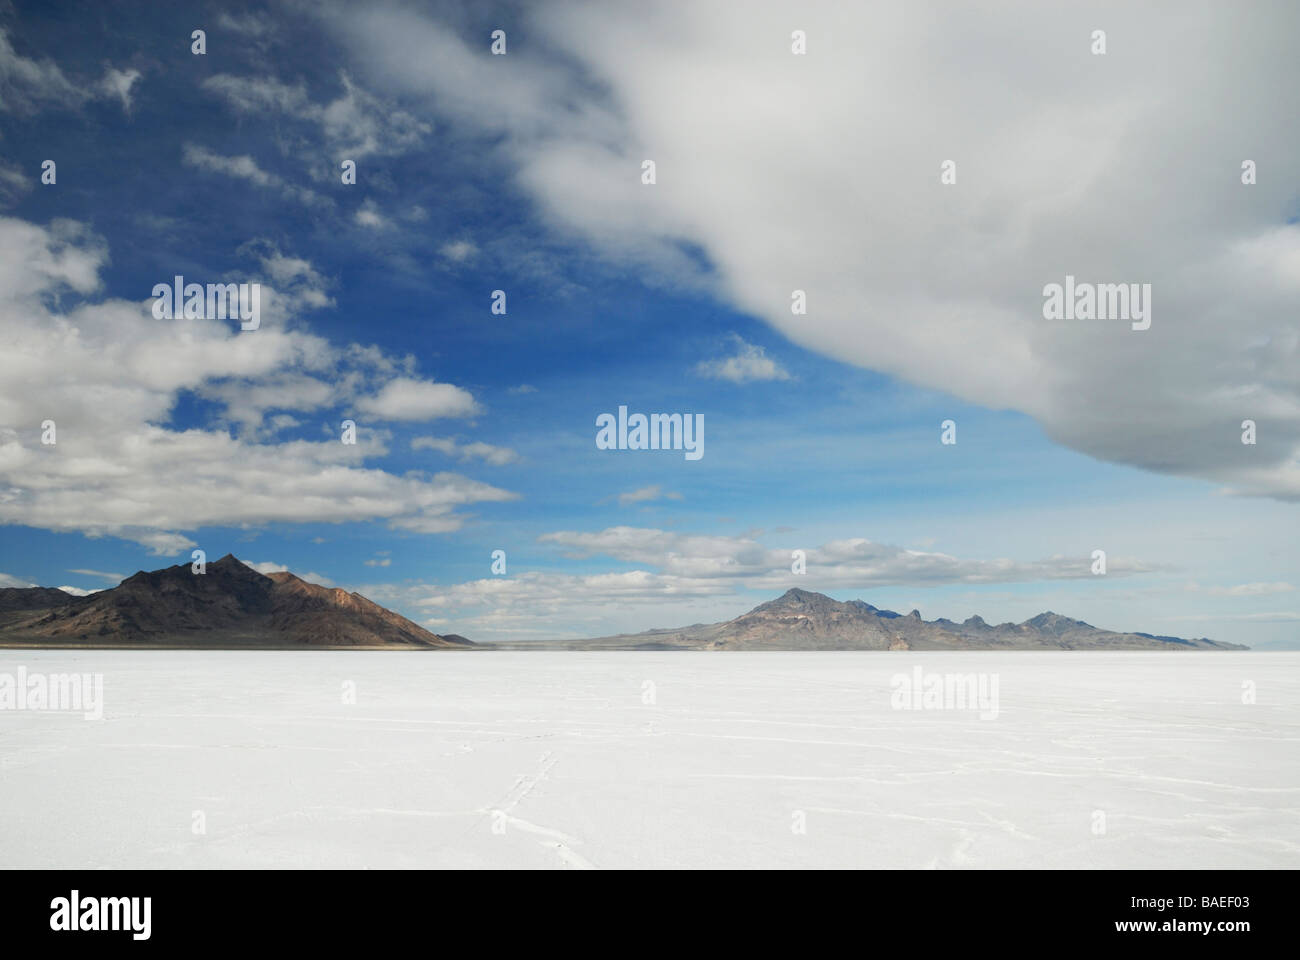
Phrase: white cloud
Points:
(459, 251)
(109, 374)
(1250, 590)
(10, 581)
(28, 85)
(1279, 616)
(13, 182)
(77, 591)
(354, 125)
(244, 167)
(113, 578)
(118, 84)
(646, 495)
(855, 562)
(747, 364)
(825, 178)
(496, 456)
(368, 215)
(250, 24)
(409, 399)
(694, 578)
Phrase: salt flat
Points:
(572, 760)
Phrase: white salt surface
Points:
(554, 760)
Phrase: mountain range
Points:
(804, 620)
(229, 605)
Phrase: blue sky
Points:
(522, 173)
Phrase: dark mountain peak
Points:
(914, 615)
(975, 621)
(229, 604)
(1050, 622)
(795, 595)
(33, 598)
(863, 605)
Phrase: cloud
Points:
(368, 215)
(13, 183)
(77, 591)
(854, 562)
(646, 495)
(118, 84)
(250, 24)
(244, 167)
(7, 580)
(749, 363)
(1250, 590)
(109, 374)
(704, 578)
(409, 399)
(1281, 616)
(28, 85)
(1067, 163)
(459, 251)
(496, 456)
(113, 578)
(353, 126)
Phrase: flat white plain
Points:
(557, 760)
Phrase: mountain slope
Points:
(230, 604)
(804, 620)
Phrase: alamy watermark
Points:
(945, 691)
(54, 692)
(658, 431)
(217, 301)
(1098, 301)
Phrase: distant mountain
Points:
(229, 605)
(32, 598)
(803, 620)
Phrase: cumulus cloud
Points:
(406, 398)
(825, 178)
(109, 375)
(749, 363)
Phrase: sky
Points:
(919, 174)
